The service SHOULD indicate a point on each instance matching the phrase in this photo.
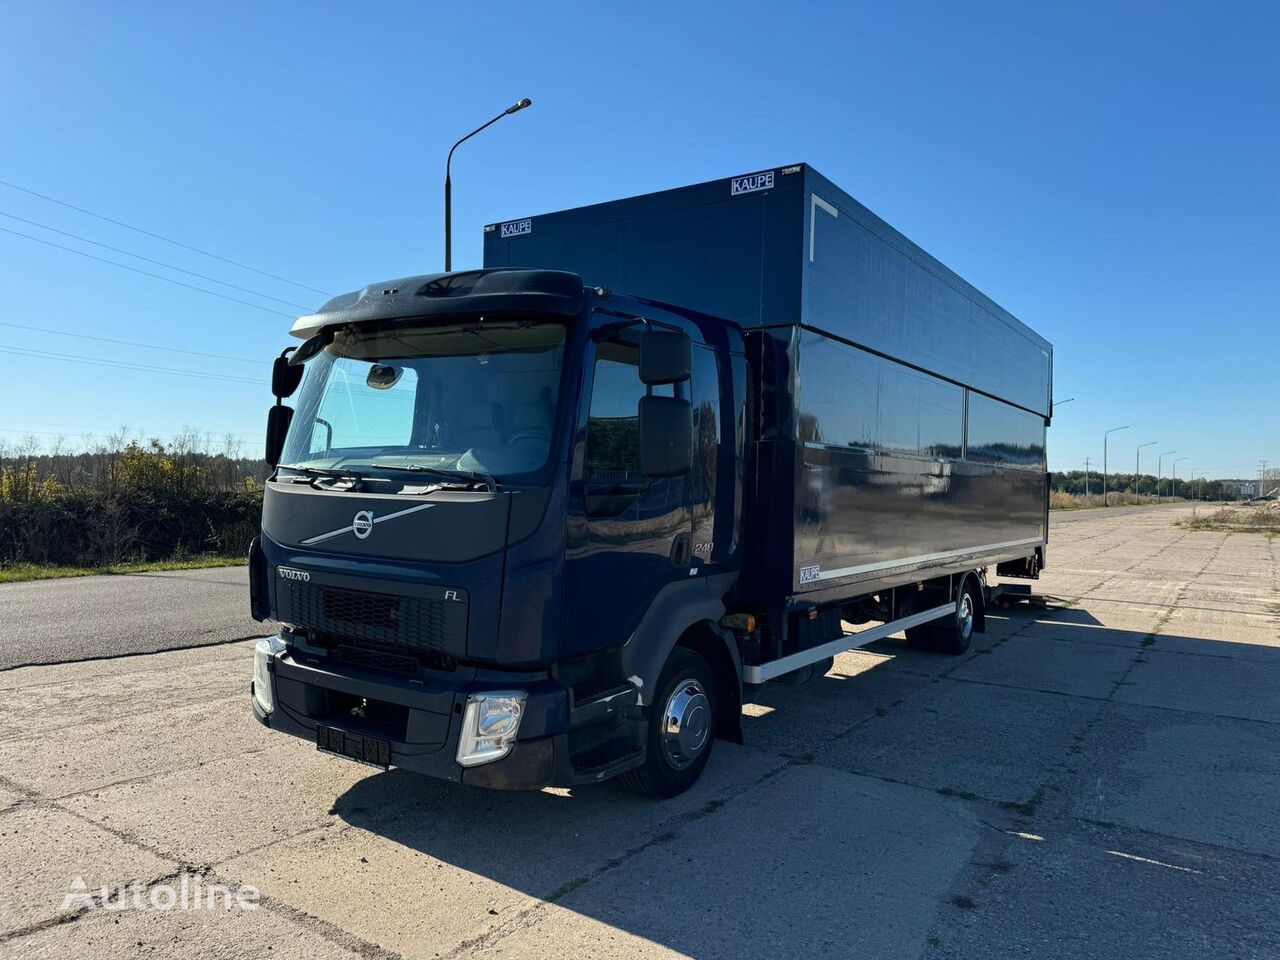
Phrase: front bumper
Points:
(420, 717)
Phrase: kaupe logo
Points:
(517, 228)
(362, 524)
(751, 182)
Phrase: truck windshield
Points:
(475, 398)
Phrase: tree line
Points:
(123, 500)
(1074, 482)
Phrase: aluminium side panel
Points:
(868, 284)
(904, 476)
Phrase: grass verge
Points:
(1061, 500)
(1258, 519)
(46, 571)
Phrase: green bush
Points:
(130, 503)
(94, 529)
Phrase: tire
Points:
(923, 637)
(673, 762)
(953, 634)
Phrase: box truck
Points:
(554, 520)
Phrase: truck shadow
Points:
(606, 854)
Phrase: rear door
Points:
(628, 535)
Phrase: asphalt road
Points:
(1101, 780)
(79, 618)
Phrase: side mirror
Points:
(666, 436)
(284, 377)
(278, 419)
(664, 357)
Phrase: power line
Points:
(156, 236)
(147, 273)
(159, 263)
(124, 365)
(129, 343)
(123, 429)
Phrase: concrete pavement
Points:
(1102, 780)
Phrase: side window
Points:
(613, 450)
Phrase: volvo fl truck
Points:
(554, 520)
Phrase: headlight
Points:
(263, 689)
(489, 726)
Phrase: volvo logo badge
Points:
(362, 524)
(288, 573)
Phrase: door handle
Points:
(680, 553)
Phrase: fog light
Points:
(263, 689)
(489, 726)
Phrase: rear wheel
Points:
(954, 633)
(923, 637)
(680, 727)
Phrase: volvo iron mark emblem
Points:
(362, 524)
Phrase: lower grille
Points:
(420, 623)
(378, 659)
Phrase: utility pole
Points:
(1105, 434)
(1173, 488)
(1262, 477)
(1086, 477)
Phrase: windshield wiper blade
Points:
(352, 475)
(469, 475)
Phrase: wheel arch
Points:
(708, 640)
(687, 613)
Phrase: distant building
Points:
(1239, 488)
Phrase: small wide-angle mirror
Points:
(310, 347)
(383, 376)
(664, 356)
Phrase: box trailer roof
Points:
(786, 246)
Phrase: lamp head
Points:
(520, 105)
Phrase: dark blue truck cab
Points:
(553, 520)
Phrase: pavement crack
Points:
(132, 653)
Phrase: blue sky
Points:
(1107, 171)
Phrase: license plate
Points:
(354, 746)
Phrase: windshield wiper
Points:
(314, 472)
(470, 475)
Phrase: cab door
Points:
(628, 535)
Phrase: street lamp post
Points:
(448, 182)
(1106, 434)
(1137, 462)
(1198, 492)
(1160, 468)
(1173, 484)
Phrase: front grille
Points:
(420, 623)
(378, 611)
(378, 659)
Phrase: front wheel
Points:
(681, 727)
